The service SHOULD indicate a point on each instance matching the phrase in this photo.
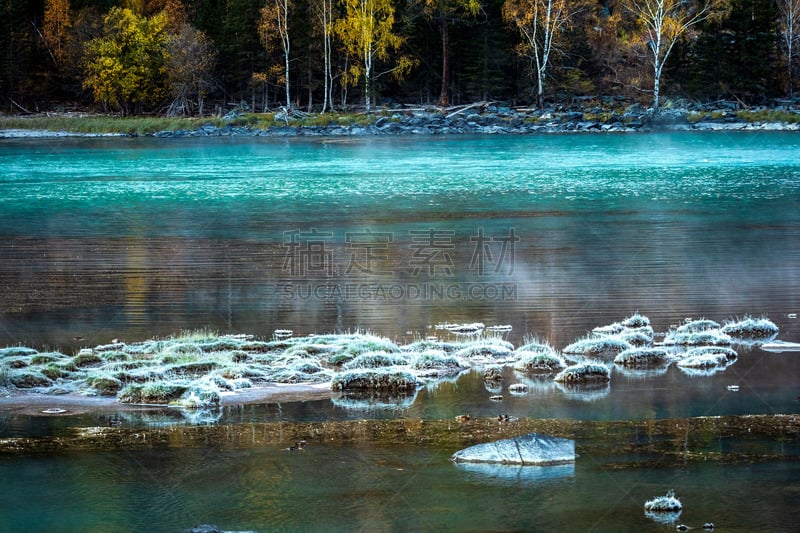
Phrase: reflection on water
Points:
(553, 235)
(378, 489)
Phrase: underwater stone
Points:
(530, 449)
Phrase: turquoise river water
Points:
(550, 235)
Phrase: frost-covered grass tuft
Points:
(751, 329)
(729, 353)
(597, 347)
(375, 360)
(641, 357)
(375, 379)
(636, 321)
(584, 373)
(489, 348)
(154, 392)
(438, 359)
(539, 362)
(701, 338)
(663, 504)
(533, 345)
(698, 326)
(705, 360)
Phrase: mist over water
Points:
(552, 235)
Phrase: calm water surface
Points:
(553, 235)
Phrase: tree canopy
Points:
(171, 56)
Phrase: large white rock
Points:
(530, 449)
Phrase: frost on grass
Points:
(597, 347)
(539, 362)
(751, 329)
(698, 326)
(375, 360)
(663, 504)
(663, 509)
(439, 361)
(704, 360)
(642, 357)
(700, 338)
(375, 379)
(490, 349)
(584, 373)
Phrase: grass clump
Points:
(28, 379)
(539, 362)
(152, 392)
(86, 359)
(751, 329)
(642, 357)
(104, 385)
(375, 360)
(584, 373)
(16, 351)
(701, 338)
(705, 360)
(663, 504)
(597, 347)
(375, 379)
(729, 353)
(698, 326)
(438, 359)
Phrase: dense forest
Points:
(188, 57)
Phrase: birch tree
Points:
(274, 26)
(323, 10)
(664, 22)
(366, 34)
(790, 36)
(541, 24)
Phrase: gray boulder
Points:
(530, 449)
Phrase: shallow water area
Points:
(133, 239)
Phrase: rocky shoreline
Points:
(501, 120)
(485, 119)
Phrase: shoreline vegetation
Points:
(591, 115)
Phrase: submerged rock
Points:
(530, 449)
